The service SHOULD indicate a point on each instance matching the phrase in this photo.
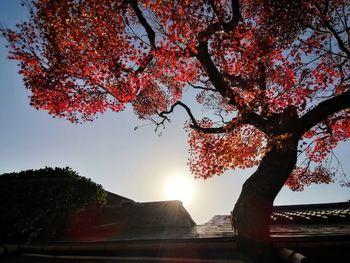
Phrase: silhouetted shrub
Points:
(36, 204)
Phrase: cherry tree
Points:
(272, 75)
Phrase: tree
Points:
(274, 75)
(41, 203)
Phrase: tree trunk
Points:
(251, 214)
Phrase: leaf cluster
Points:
(259, 69)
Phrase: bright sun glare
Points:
(179, 187)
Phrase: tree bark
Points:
(251, 214)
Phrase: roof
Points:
(291, 220)
(311, 213)
(132, 220)
(169, 219)
(114, 199)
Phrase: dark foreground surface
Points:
(324, 248)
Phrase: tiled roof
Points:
(313, 213)
(292, 220)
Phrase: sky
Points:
(133, 163)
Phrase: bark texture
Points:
(251, 214)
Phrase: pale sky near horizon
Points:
(135, 164)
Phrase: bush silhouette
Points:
(36, 204)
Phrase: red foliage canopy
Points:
(255, 65)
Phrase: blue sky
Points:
(135, 164)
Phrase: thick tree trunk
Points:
(251, 214)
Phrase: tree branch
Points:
(249, 118)
(222, 87)
(150, 34)
(322, 111)
(203, 53)
(236, 11)
(200, 87)
(214, 75)
(339, 40)
(236, 15)
(194, 124)
(149, 30)
(257, 121)
(215, 10)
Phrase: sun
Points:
(179, 187)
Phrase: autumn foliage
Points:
(256, 66)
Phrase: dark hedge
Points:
(36, 204)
